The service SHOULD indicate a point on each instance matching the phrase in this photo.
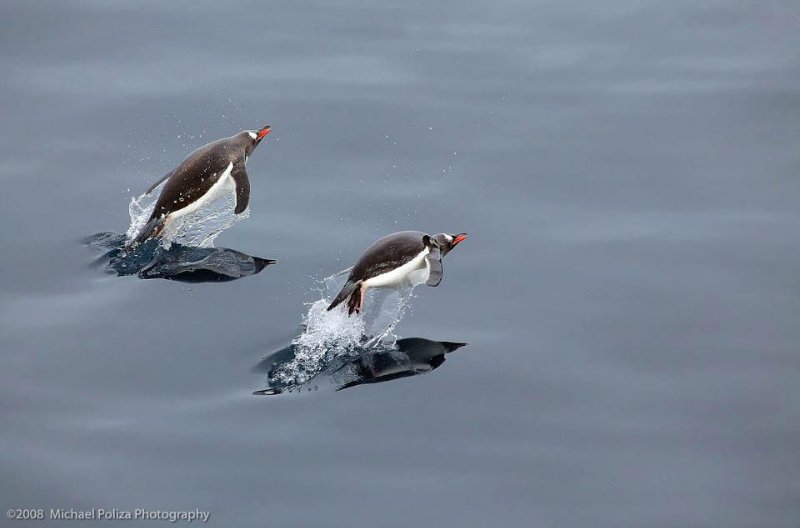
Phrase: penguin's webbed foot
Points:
(355, 303)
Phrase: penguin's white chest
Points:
(224, 186)
(412, 273)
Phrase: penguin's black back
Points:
(196, 175)
(388, 253)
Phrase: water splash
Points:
(197, 229)
(332, 334)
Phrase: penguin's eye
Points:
(253, 135)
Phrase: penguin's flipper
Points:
(152, 229)
(351, 292)
(434, 259)
(239, 175)
(159, 182)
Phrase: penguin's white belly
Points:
(224, 185)
(412, 273)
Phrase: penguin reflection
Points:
(179, 263)
(410, 357)
(414, 355)
(192, 264)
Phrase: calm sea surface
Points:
(629, 175)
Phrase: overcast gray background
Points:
(628, 174)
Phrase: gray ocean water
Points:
(630, 291)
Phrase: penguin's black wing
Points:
(239, 175)
(159, 182)
(434, 259)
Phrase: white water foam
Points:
(329, 334)
(198, 229)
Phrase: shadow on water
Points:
(150, 260)
(408, 357)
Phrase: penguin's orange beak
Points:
(459, 238)
(263, 132)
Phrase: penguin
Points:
(200, 178)
(403, 259)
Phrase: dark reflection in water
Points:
(179, 263)
(409, 357)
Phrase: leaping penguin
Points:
(407, 258)
(200, 178)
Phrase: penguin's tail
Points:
(351, 292)
(152, 229)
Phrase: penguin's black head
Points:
(252, 138)
(447, 242)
